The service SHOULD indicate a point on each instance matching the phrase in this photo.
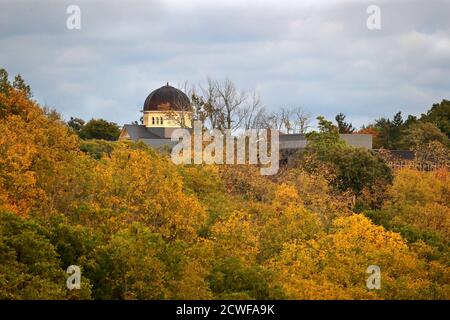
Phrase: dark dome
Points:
(167, 98)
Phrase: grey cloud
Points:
(318, 55)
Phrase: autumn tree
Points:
(334, 266)
(420, 134)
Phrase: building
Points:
(164, 110)
(168, 108)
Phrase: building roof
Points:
(292, 137)
(397, 154)
(167, 98)
(136, 132)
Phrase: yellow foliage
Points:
(317, 195)
(338, 263)
(421, 200)
(416, 187)
(157, 230)
(149, 189)
(34, 147)
(236, 236)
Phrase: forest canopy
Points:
(140, 227)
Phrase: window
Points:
(153, 120)
(161, 120)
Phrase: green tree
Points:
(100, 129)
(439, 114)
(76, 124)
(29, 264)
(389, 132)
(327, 135)
(20, 85)
(231, 279)
(420, 134)
(97, 148)
(343, 126)
(351, 169)
(4, 81)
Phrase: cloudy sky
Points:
(316, 54)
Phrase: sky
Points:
(318, 55)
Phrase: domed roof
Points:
(167, 98)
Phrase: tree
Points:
(328, 135)
(334, 266)
(389, 132)
(420, 134)
(29, 264)
(252, 112)
(213, 112)
(370, 129)
(128, 266)
(302, 120)
(4, 81)
(433, 153)
(343, 126)
(140, 227)
(357, 169)
(439, 114)
(97, 148)
(348, 169)
(231, 279)
(36, 148)
(19, 84)
(418, 209)
(235, 236)
(286, 119)
(230, 101)
(99, 129)
(288, 213)
(76, 124)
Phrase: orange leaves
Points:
(157, 230)
(33, 147)
(42, 168)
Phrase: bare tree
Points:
(302, 120)
(212, 109)
(251, 112)
(286, 119)
(198, 108)
(230, 100)
(271, 121)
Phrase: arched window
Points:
(162, 120)
(153, 120)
